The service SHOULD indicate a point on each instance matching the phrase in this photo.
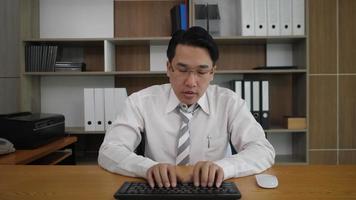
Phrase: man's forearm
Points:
(122, 161)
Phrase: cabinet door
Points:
(76, 19)
(9, 95)
(9, 38)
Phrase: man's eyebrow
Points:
(203, 66)
(182, 64)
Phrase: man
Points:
(187, 125)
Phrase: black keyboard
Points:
(140, 190)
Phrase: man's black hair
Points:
(195, 36)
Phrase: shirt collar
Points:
(173, 102)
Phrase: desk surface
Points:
(92, 182)
(27, 156)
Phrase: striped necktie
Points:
(183, 146)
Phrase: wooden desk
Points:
(91, 182)
(45, 152)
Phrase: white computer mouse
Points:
(266, 180)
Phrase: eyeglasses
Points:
(184, 71)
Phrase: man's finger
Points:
(196, 173)
(164, 175)
(204, 174)
(212, 173)
(219, 177)
(150, 178)
(172, 175)
(157, 176)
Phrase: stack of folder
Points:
(207, 16)
(179, 17)
(271, 17)
(40, 58)
(101, 106)
(256, 96)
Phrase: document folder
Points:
(273, 18)
(89, 116)
(286, 17)
(247, 94)
(109, 105)
(120, 96)
(246, 17)
(298, 17)
(261, 17)
(265, 105)
(238, 88)
(256, 100)
(99, 109)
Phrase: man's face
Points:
(190, 73)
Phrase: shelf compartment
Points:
(89, 51)
(287, 95)
(143, 18)
(132, 58)
(53, 158)
(290, 147)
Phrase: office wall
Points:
(332, 103)
(9, 56)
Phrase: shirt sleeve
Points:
(255, 153)
(116, 153)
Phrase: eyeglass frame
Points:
(203, 74)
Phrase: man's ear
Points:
(213, 72)
(168, 65)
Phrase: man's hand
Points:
(206, 173)
(203, 173)
(184, 173)
(162, 174)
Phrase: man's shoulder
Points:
(152, 91)
(218, 91)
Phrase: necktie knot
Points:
(188, 109)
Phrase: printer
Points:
(28, 130)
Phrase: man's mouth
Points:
(189, 93)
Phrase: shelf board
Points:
(283, 130)
(258, 39)
(67, 40)
(149, 73)
(290, 159)
(80, 130)
(70, 73)
(265, 71)
(53, 158)
(141, 40)
(165, 40)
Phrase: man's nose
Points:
(191, 80)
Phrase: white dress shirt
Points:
(222, 116)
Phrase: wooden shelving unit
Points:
(141, 23)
